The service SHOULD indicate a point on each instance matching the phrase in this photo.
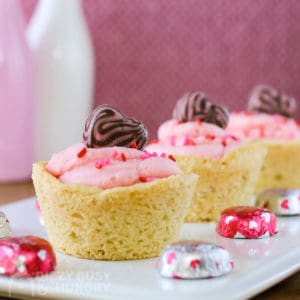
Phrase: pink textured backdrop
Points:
(149, 52)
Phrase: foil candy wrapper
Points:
(247, 222)
(283, 202)
(5, 230)
(194, 260)
(26, 256)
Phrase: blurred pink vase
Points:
(16, 95)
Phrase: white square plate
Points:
(259, 264)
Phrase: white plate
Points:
(259, 264)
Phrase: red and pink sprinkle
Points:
(81, 153)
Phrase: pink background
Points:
(149, 52)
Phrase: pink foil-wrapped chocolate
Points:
(283, 202)
(247, 222)
(194, 260)
(5, 230)
(26, 256)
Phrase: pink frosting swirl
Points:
(193, 138)
(109, 167)
(259, 125)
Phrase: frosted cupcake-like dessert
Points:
(105, 198)
(269, 122)
(227, 168)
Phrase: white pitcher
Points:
(64, 73)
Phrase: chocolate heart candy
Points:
(108, 127)
(26, 256)
(195, 106)
(266, 99)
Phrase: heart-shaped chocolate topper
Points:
(107, 127)
(193, 106)
(266, 99)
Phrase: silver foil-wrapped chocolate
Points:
(283, 202)
(5, 230)
(194, 260)
(247, 222)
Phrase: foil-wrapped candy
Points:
(283, 202)
(247, 222)
(194, 260)
(26, 256)
(5, 230)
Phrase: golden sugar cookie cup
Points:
(281, 167)
(222, 183)
(121, 223)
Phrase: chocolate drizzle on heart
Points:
(265, 99)
(108, 127)
(196, 106)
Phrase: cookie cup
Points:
(121, 223)
(281, 165)
(222, 183)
